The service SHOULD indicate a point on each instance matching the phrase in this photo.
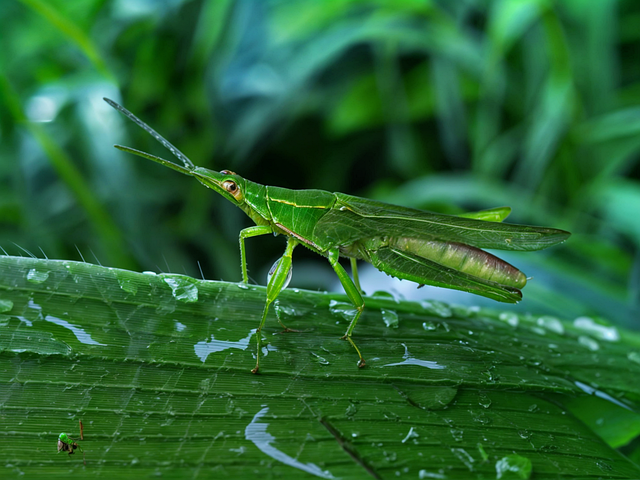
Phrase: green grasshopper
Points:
(424, 247)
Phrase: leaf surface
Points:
(157, 368)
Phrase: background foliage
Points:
(447, 106)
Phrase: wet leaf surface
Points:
(158, 369)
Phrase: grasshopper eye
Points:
(230, 186)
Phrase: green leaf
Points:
(157, 367)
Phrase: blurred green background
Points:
(445, 106)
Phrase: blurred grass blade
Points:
(73, 179)
(71, 31)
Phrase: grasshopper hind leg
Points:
(353, 292)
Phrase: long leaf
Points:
(157, 368)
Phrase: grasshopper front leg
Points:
(274, 287)
(248, 233)
(353, 292)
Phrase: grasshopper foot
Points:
(361, 362)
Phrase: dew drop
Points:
(484, 400)
(319, 359)
(437, 308)
(598, 330)
(343, 310)
(34, 276)
(283, 311)
(128, 285)
(457, 434)
(510, 317)
(551, 323)
(183, 289)
(604, 466)
(429, 326)
(390, 318)
(634, 356)
(589, 342)
(422, 474)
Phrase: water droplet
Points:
(510, 317)
(437, 475)
(429, 326)
(539, 330)
(149, 272)
(634, 356)
(343, 310)
(183, 288)
(490, 375)
(128, 285)
(283, 312)
(390, 318)
(409, 360)
(551, 323)
(457, 434)
(604, 466)
(589, 342)
(180, 326)
(319, 359)
(482, 419)
(533, 408)
(34, 276)
(514, 463)
(524, 434)
(6, 305)
(484, 400)
(242, 286)
(437, 308)
(390, 457)
(597, 329)
(352, 409)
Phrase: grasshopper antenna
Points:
(165, 143)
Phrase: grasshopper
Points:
(424, 247)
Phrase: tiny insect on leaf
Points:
(68, 444)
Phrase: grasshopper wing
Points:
(354, 218)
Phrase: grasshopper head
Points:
(227, 183)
